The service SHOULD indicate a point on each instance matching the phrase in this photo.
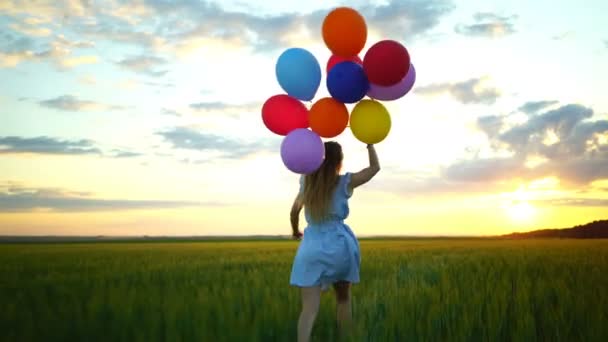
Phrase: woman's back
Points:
(329, 251)
(338, 210)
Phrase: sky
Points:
(144, 117)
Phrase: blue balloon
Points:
(347, 82)
(299, 73)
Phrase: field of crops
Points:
(414, 290)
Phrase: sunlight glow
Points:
(521, 211)
(551, 138)
(534, 161)
(548, 183)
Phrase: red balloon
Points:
(386, 63)
(282, 114)
(335, 59)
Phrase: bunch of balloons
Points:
(384, 74)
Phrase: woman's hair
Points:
(319, 185)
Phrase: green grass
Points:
(422, 290)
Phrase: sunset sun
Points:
(521, 211)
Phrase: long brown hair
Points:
(320, 185)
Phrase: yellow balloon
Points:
(370, 122)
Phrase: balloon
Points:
(395, 91)
(347, 82)
(386, 63)
(328, 117)
(344, 32)
(298, 73)
(302, 151)
(335, 59)
(370, 122)
(282, 114)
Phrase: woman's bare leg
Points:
(311, 296)
(343, 306)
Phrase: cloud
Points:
(576, 154)
(564, 124)
(71, 62)
(443, 183)
(35, 21)
(147, 65)
(163, 29)
(15, 49)
(11, 60)
(483, 170)
(61, 40)
(55, 146)
(46, 145)
(473, 91)
(116, 153)
(73, 104)
(224, 106)
(568, 143)
(31, 30)
(405, 19)
(564, 35)
(227, 109)
(170, 112)
(117, 32)
(160, 84)
(192, 161)
(43, 10)
(488, 25)
(490, 124)
(11, 43)
(185, 25)
(534, 106)
(606, 43)
(398, 19)
(88, 79)
(581, 159)
(16, 198)
(187, 138)
(575, 202)
(211, 106)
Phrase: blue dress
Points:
(329, 250)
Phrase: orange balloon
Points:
(344, 32)
(328, 117)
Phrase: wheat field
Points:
(411, 290)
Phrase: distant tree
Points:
(592, 230)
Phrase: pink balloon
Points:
(396, 91)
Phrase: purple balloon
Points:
(395, 91)
(302, 151)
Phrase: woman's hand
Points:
(296, 235)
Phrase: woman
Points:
(329, 251)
